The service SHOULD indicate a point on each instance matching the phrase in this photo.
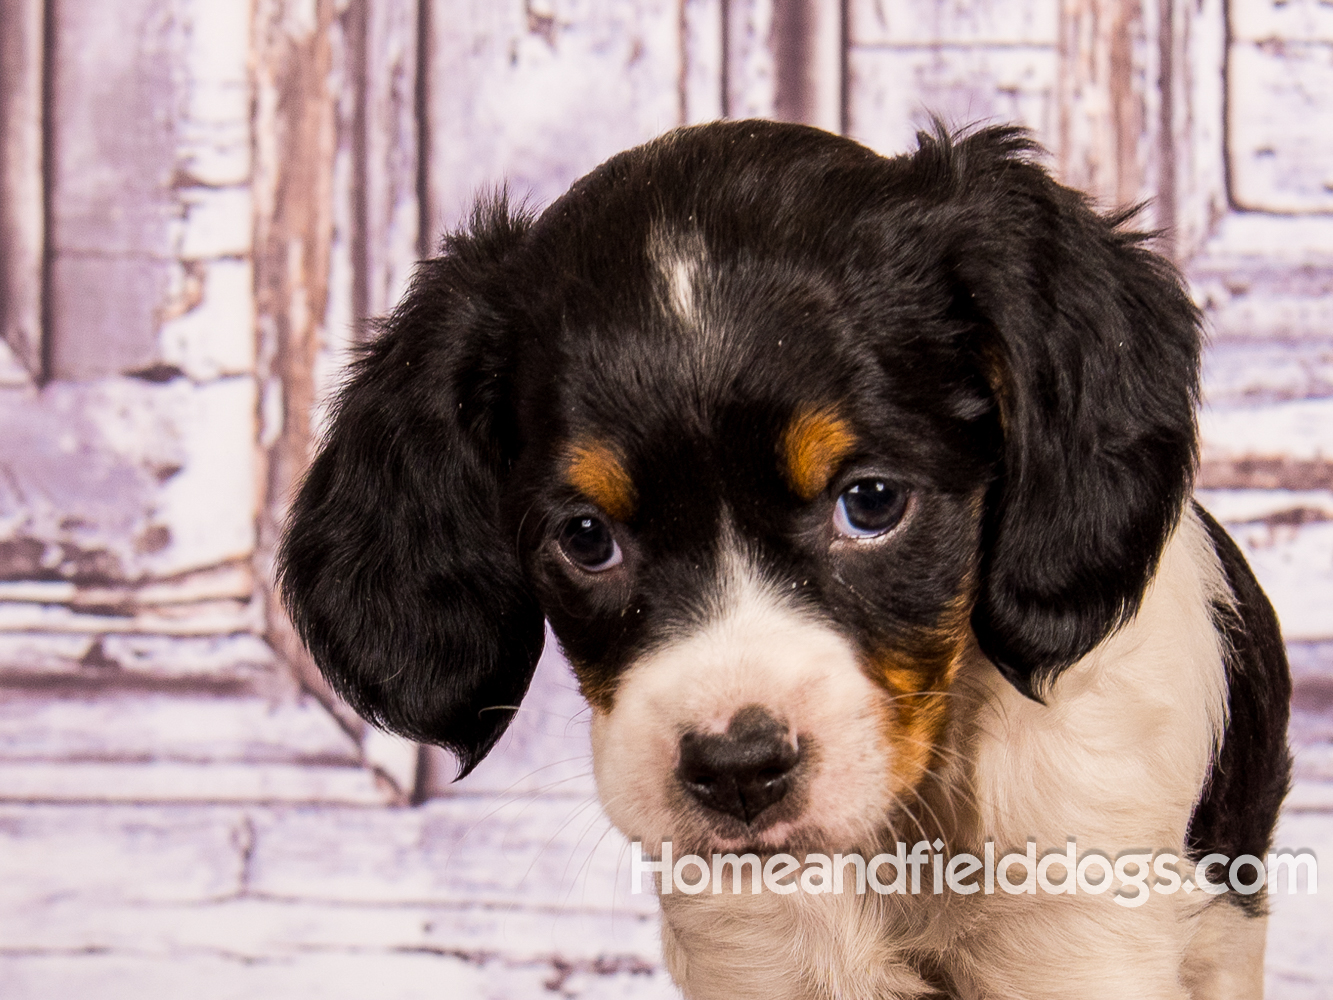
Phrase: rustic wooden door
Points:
(170, 168)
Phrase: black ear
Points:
(394, 567)
(1092, 349)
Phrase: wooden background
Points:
(199, 202)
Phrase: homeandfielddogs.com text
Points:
(926, 867)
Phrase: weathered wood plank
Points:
(785, 61)
(953, 22)
(234, 581)
(1238, 507)
(22, 195)
(239, 660)
(1264, 370)
(1192, 193)
(1109, 101)
(1283, 445)
(893, 91)
(260, 928)
(1300, 927)
(1282, 242)
(1280, 304)
(150, 138)
(203, 334)
(1263, 276)
(104, 312)
(1287, 536)
(1281, 20)
(519, 93)
(1297, 429)
(114, 726)
(1294, 564)
(197, 618)
(1280, 115)
(124, 479)
(534, 851)
(167, 782)
(120, 854)
(810, 41)
(390, 151)
(320, 977)
(702, 77)
(297, 97)
(752, 67)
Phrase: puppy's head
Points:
(772, 430)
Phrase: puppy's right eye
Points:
(869, 508)
(588, 543)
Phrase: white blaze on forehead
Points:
(679, 257)
(756, 648)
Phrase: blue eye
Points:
(869, 507)
(588, 543)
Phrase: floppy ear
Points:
(394, 567)
(1093, 354)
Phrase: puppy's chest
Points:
(796, 947)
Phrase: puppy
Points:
(857, 492)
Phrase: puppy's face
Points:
(771, 429)
(752, 520)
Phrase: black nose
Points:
(740, 772)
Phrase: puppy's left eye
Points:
(869, 507)
(587, 542)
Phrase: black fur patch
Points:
(1252, 772)
(394, 567)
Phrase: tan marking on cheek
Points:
(919, 683)
(812, 446)
(597, 688)
(595, 471)
(918, 714)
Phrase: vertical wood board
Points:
(22, 195)
(534, 95)
(893, 92)
(953, 22)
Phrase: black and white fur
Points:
(695, 361)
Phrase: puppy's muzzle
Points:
(743, 772)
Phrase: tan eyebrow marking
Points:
(814, 443)
(596, 472)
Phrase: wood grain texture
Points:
(150, 160)
(237, 661)
(953, 22)
(390, 152)
(301, 346)
(135, 727)
(535, 94)
(121, 854)
(540, 852)
(1281, 20)
(22, 194)
(1280, 112)
(1109, 101)
(326, 976)
(752, 61)
(893, 91)
(175, 782)
(123, 479)
(1192, 192)
(702, 75)
(258, 929)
